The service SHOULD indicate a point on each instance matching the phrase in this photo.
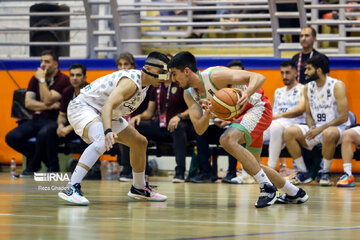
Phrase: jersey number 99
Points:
(321, 117)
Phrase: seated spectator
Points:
(172, 123)
(350, 137)
(326, 119)
(288, 110)
(61, 131)
(43, 97)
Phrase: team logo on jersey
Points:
(173, 90)
(328, 93)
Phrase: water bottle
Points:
(13, 167)
(103, 169)
(109, 172)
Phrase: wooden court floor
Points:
(193, 211)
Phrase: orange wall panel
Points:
(351, 78)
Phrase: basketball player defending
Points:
(100, 106)
(246, 129)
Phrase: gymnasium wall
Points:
(345, 69)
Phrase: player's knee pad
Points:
(99, 143)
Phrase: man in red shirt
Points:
(43, 97)
(61, 130)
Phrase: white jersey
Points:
(286, 100)
(96, 93)
(323, 105)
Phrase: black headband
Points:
(164, 67)
(158, 76)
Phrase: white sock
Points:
(347, 168)
(276, 142)
(327, 165)
(78, 175)
(300, 164)
(91, 153)
(289, 188)
(261, 177)
(139, 180)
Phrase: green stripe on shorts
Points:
(248, 138)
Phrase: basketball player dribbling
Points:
(246, 129)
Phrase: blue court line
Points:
(270, 233)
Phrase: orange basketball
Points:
(224, 103)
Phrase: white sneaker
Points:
(243, 178)
(73, 194)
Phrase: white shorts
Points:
(356, 129)
(318, 139)
(80, 114)
(284, 122)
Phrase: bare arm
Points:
(62, 119)
(125, 89)
(32, 104)
(185, 114)
(309, 119)
(300, 109)
(63, 127)
(149, 112)
(48, 96)
(199, 119)
(223, 77)
(146, 115)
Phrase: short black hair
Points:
(320, 61)
(183, 60)
(235, 63)
(313, 31)
(51, 53)
(159, 56)
(288, 63)
(78, 65)
(128, 57)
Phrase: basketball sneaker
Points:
(346, 181)
(146, 194)
(267, 195)
(229, 176)
(325, 179)
(73, 194)
(299, 198)
(301, 178)
(243, 179)
(179, 178)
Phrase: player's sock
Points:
(139, 180)
(347, 168)
(300, 164)
(290, 189)
(327, 165)
(261, 177)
